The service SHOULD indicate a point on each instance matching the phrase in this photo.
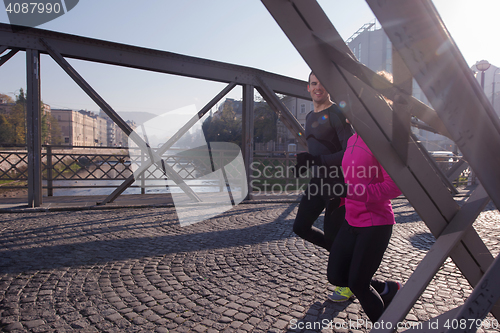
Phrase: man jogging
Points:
(327, 133)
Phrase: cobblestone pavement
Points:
(137, 270)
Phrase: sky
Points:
(240, 32)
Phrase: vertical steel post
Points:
(50, 189)
(247, 132)
(143, 175)
(34, 128)
(222, 179)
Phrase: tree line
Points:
(227, 126)
(13, 123)
(224, 126)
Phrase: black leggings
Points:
(354, 258)
(310, 208)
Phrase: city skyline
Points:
(216, 31)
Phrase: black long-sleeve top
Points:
(327, 133)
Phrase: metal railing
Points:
(88, 165)
(97, 167)
(63, 163)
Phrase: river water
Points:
(89, 187)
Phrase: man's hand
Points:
(304, 162)
(308, 160)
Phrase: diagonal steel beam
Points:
(333, 45)
(6, 57)
(446, 181)
(283, 113)
(438, 66)
(435, 257)
(91, 92)
(371, 116)
(115, 117)
(100, 51)
(469, 317)
(421, 125)
(184, 129)
(456, 170)
(157, 159)
(341, 55)
(445, 78)
(345, 88)
(173, 139)
(434, 325)
(483, 298)
(435, 205)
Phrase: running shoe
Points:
(340, 294)
(393, 287)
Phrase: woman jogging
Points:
(364, 236)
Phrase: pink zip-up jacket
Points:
(370, 187)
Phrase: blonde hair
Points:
(388, 77)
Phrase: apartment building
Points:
(114, 135)
(299, 108)
(80, 128)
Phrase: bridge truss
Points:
(422, 49)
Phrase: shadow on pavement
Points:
(98, 241)
(422, 241)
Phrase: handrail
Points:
(273, 159)
(112, 53)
